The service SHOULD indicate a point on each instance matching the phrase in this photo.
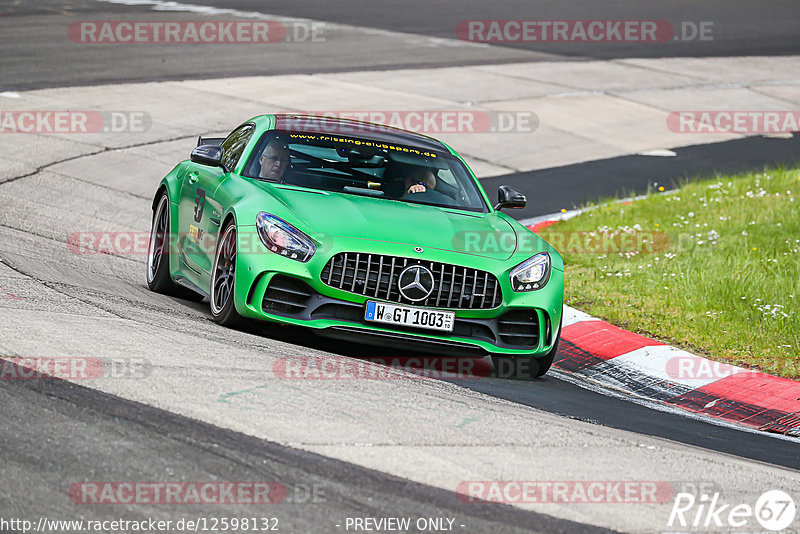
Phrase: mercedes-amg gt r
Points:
(358, 231)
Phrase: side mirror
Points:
(209, 155)
(508, 197)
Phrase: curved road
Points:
(208, 407)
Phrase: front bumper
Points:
(273, 288)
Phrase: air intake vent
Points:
(520, 327)
(286, 295)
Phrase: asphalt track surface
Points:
(94, 428)
(570, 186)
(739, 27)
(363, 34)
(86, 430)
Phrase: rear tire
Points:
(158, 255)
(223, 280)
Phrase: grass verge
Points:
(713, 267)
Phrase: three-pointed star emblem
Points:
(415, 283)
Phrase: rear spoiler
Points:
(209, 140)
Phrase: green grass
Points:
(713, 267)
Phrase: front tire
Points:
(223, 279)
(158, 254)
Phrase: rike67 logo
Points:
(774, 510)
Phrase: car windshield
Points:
(365, 167)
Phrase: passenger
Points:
(419, 181)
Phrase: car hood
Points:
(355, 216)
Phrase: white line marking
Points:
(664, 362)
(659, 152)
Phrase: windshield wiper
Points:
(363, 191)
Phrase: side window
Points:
(234, 144)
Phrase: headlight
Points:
(282, 238)
(531, 274)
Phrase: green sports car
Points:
(358, 231)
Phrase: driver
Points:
(274, 160)
(419, 180)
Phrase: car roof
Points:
(313, 124)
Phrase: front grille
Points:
(286, 295)
(376, 275)
(519, 327)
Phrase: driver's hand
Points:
(416, 188)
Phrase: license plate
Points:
(381, 312)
